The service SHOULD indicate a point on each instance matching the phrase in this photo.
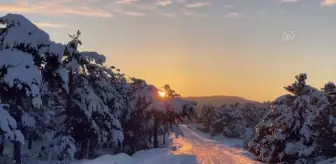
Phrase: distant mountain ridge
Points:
(219, 100)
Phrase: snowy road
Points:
(192, 148)
(208, 151)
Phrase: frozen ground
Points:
(192, 148)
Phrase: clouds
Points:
(192, 13)
(134, 14)
(233, 15)
(54, 8)
(50, 25)
(328, 2)
(323, 2)
(289, 0)
(125, 1)
(164, 3)
(108, 9)
(197, 4)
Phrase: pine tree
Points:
(153, 114)
(229, 121)
(253, 113)
(20, 71)
(8, 129)
(58, 144)
(207, 116)
(286, 134)
(138, 130)
(325, 123)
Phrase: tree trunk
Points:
(92, 147)
(164, 138)
(69, 103)
(155, 132)
(165, 131)
(83, 149)
(17, 152)
(2, 144)
(30, 141)
(150, 137)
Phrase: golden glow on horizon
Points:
(162, 93)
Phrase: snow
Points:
(162, 156)
(21, 69)
(63, 73)
(178, 105)
(328, 161)
(57, 49)
(298, 147)
(157, 106)
(93, 56)
(8, 126)
(148, 92)
(191, 148)
(22, 31)
(28, 120)
(59, 148)
(208, 151)
(152, 156)
(90, 103)
(121, 158)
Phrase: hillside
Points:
(219, 100)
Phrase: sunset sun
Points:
(162, 93)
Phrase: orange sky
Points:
(221, 47)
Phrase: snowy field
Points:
(193, 148)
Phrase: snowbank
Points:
(152, 156)
(121, 158)
(328, 161)
(162, 156)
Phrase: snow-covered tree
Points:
(54, 93)
(253, 113)
(93, 123)
(8, 127)
(229, 121)
(20, 75)
(286, 134)
(57, 147)
(138, 129)
(325, 123)
(153, 114)
(71, 102)
(207, 116)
